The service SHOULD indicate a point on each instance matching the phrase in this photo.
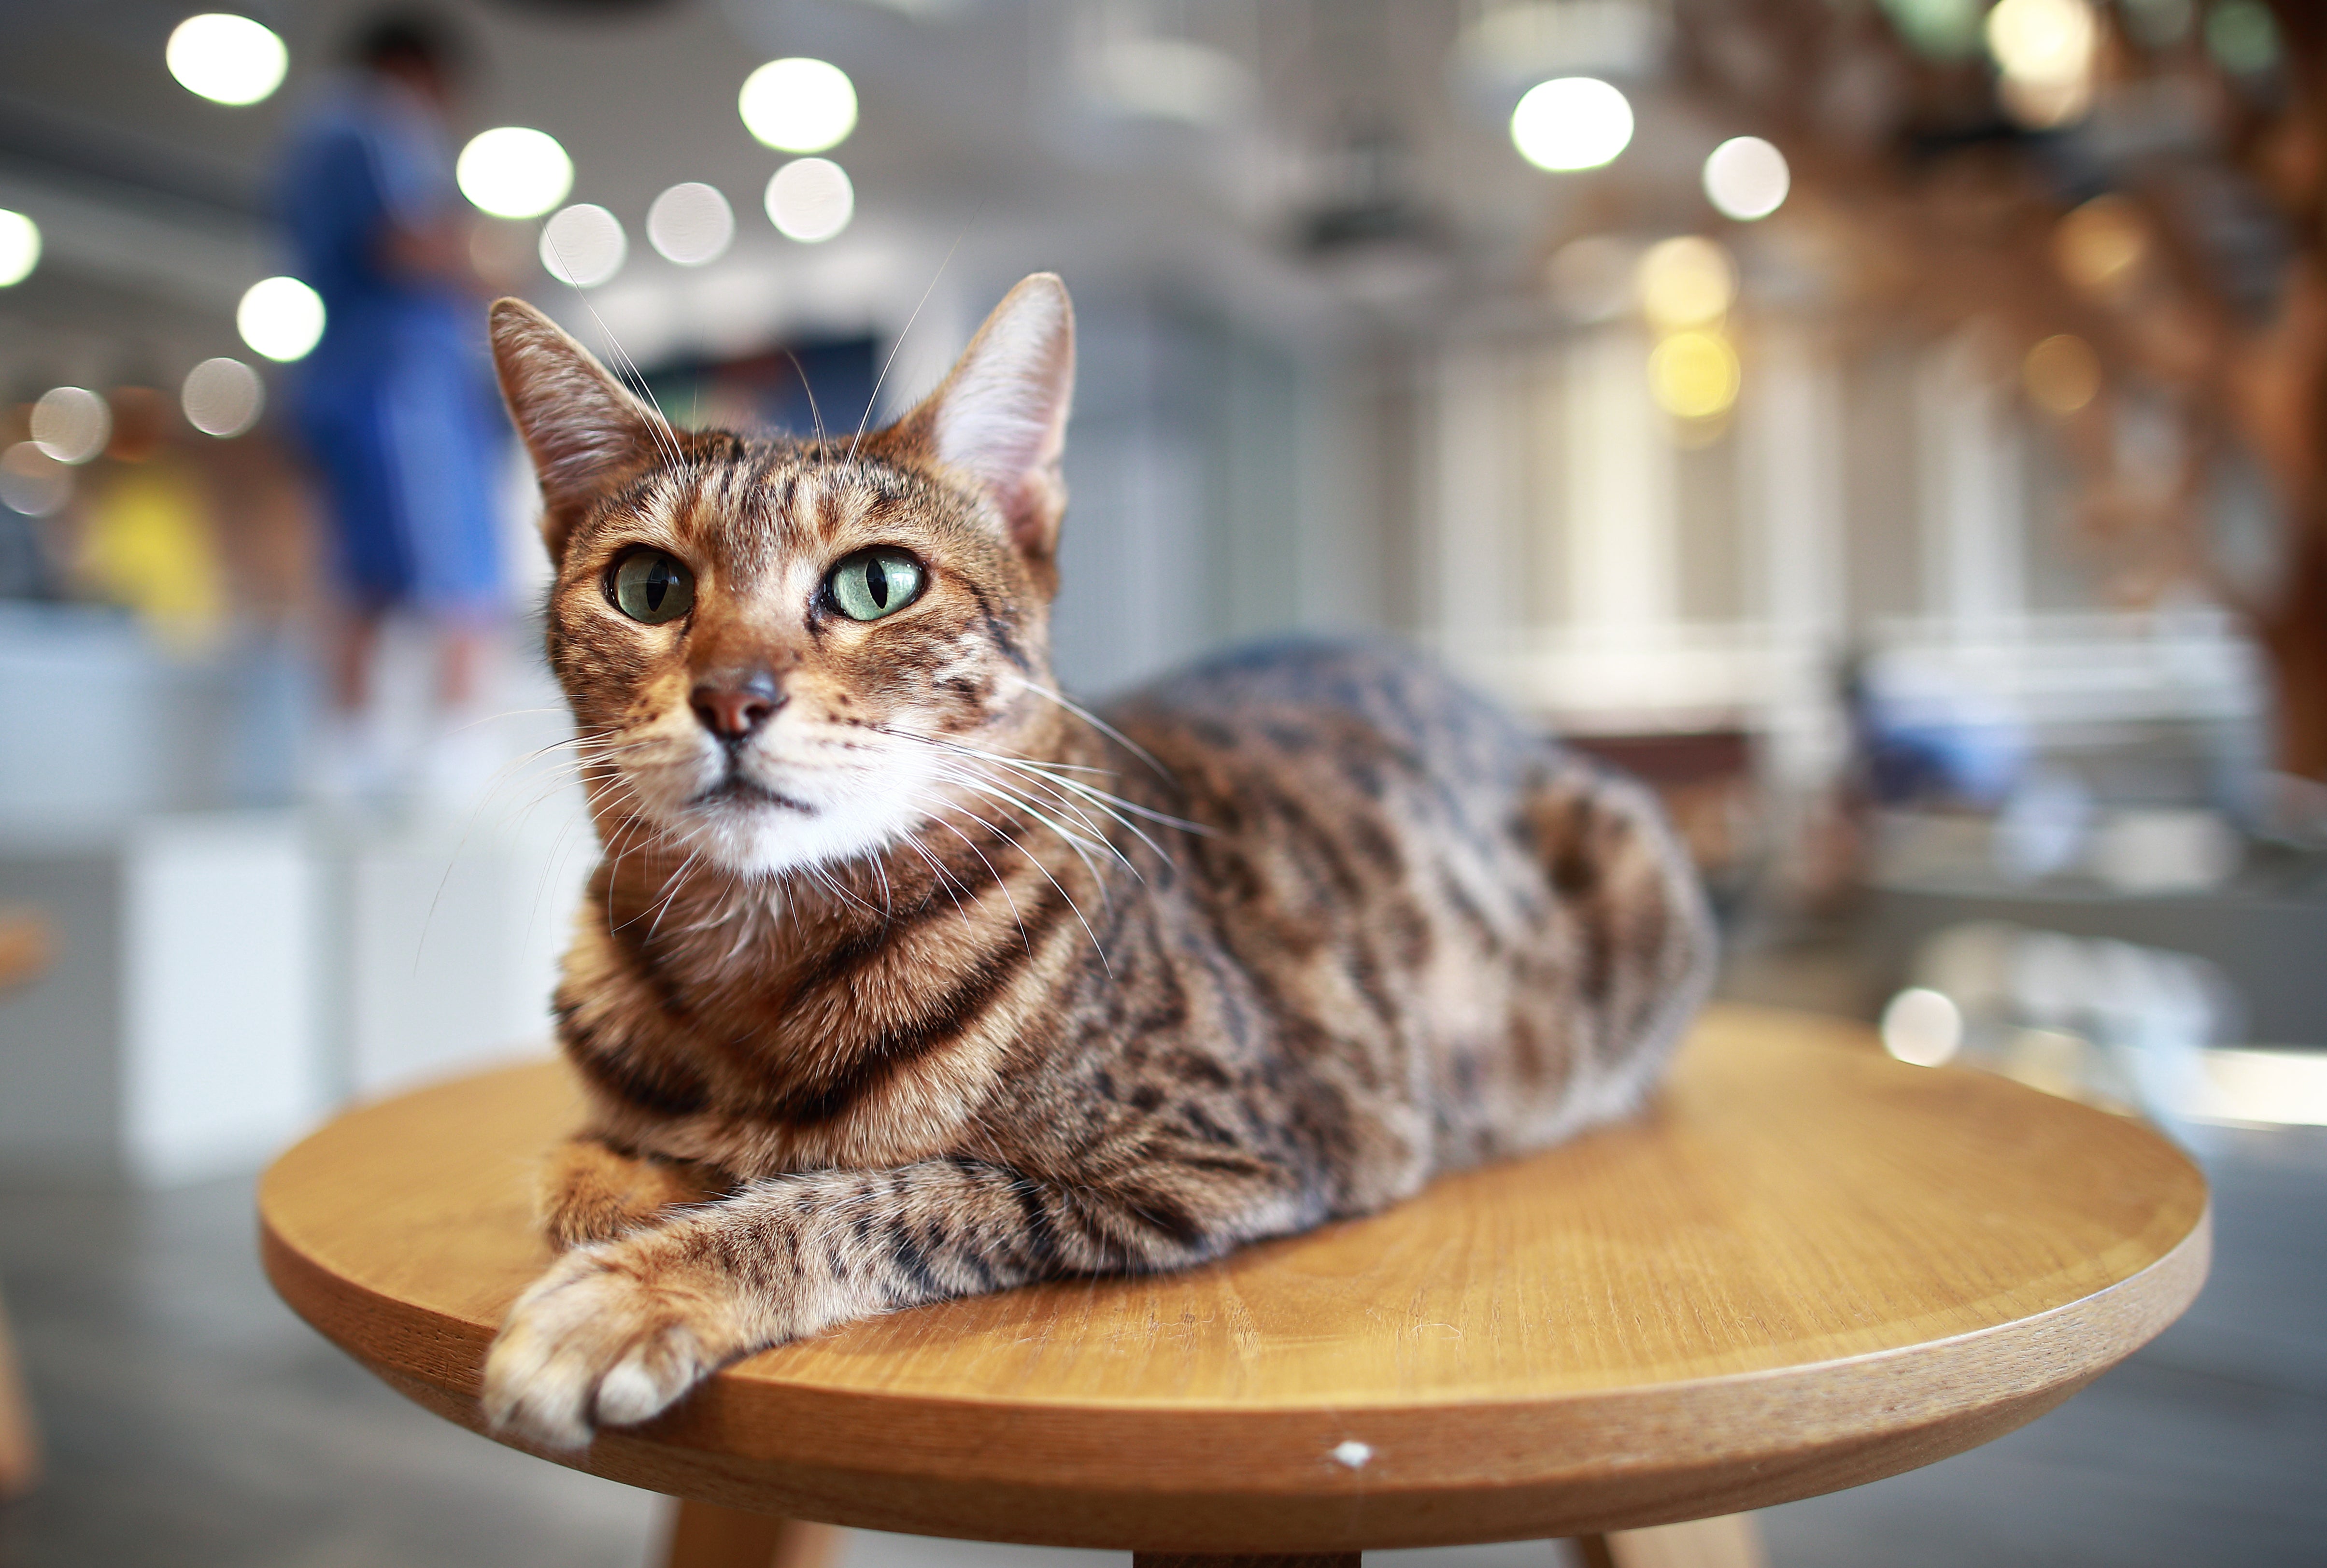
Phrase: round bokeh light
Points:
(33, 483)
(798, 105)
(281, 318)
(1746, 178)
(70, 423)
(2047, 41)
(514, 171)
(20, 247)
(1572, 121)
(1922, 1026)
(810, 199)
(1686, 281)
(1694, 375)
(2062, 374)
(584, 245)
(691, 224)
(225, 59)
(222, 397)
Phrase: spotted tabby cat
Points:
(901, 978)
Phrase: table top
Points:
(1805, 1267)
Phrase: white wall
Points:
(220, 948)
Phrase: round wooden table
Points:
(1807, 1266)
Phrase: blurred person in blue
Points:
(395, 404)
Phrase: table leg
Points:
(1729, 1541)
(1244, 1560)
(706, 1535)
(19, 1445)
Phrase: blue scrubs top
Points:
(394, 403)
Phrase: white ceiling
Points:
(985, 134)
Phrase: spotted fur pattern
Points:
(935, 984)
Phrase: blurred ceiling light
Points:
(1694, 375)
(70, 423)
(281, 318)
(1943, 29)
(222, 398)
(810, 199)
(1922, 1026)
(584, 245)
(1170, 78)
(33, 483)
(691, 224)
(20, 247)
(798, 105)
(2062, 374)
(1591, 278)
(2242, 37)
(1684, 281)
(1572, 121)
(2045, 47)
(226, 59)
(2099, 246)
(1746, 178)
(514, 171)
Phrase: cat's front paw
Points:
(608, 1337)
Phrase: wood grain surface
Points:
(1806, 1266)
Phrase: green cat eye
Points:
(874, 582)
(653, 587)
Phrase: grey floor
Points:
(192, 1419)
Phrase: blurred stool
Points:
(27, 947)
(1806, 1266)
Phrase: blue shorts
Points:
(398, 417)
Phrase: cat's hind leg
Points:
(588, 1190)
(1647, 948)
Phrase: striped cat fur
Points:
(901, 978)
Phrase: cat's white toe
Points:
(634, 1389)
(590, 1345)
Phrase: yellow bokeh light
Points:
(2045, 49)
(1694, 375)
(2062, 374)
(2042, 39)
(1686, 281)
(2099, 246)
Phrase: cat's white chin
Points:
(811, 820)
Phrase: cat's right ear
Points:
(583, 428)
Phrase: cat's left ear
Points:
(1000, 416)
(584, 429)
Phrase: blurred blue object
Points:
(394, 403)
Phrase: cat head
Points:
(786, 653)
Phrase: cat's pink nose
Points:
(732, 703)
